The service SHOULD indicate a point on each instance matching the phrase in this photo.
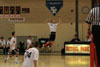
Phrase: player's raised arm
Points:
(48, 20)
(59, 20)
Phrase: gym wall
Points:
(35, 24)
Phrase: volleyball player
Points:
(31, 56)
(53, 27)
(13, 48)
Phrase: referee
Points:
(93, 20)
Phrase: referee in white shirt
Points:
(94, 20)
(53, 27)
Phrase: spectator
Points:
(21, 46)
(75, 39)
(88, 38)
(8, 45)
(3, 44)
(29, 42)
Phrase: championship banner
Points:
(16, 19)
(18, 16)
(12, 10)
(6, 16)
(1, 9)
(18, 10)
(6, 9)
(54, 6)
(12, 16)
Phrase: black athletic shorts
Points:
(15, 51)
(52, 36)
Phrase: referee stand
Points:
(93, 55)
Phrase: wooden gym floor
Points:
(51, 61)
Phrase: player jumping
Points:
(53, 27)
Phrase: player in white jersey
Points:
(13, 48)
(53, 27)
(31, 56)
(29, 42)
(3, 44)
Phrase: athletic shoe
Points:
(16, 62)
(5, 60)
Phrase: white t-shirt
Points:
(29, 42)
(8, 43)
(2, 42)
(52, 27)
(29, 57)
(13, 43)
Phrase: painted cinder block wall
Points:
(35, 24)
